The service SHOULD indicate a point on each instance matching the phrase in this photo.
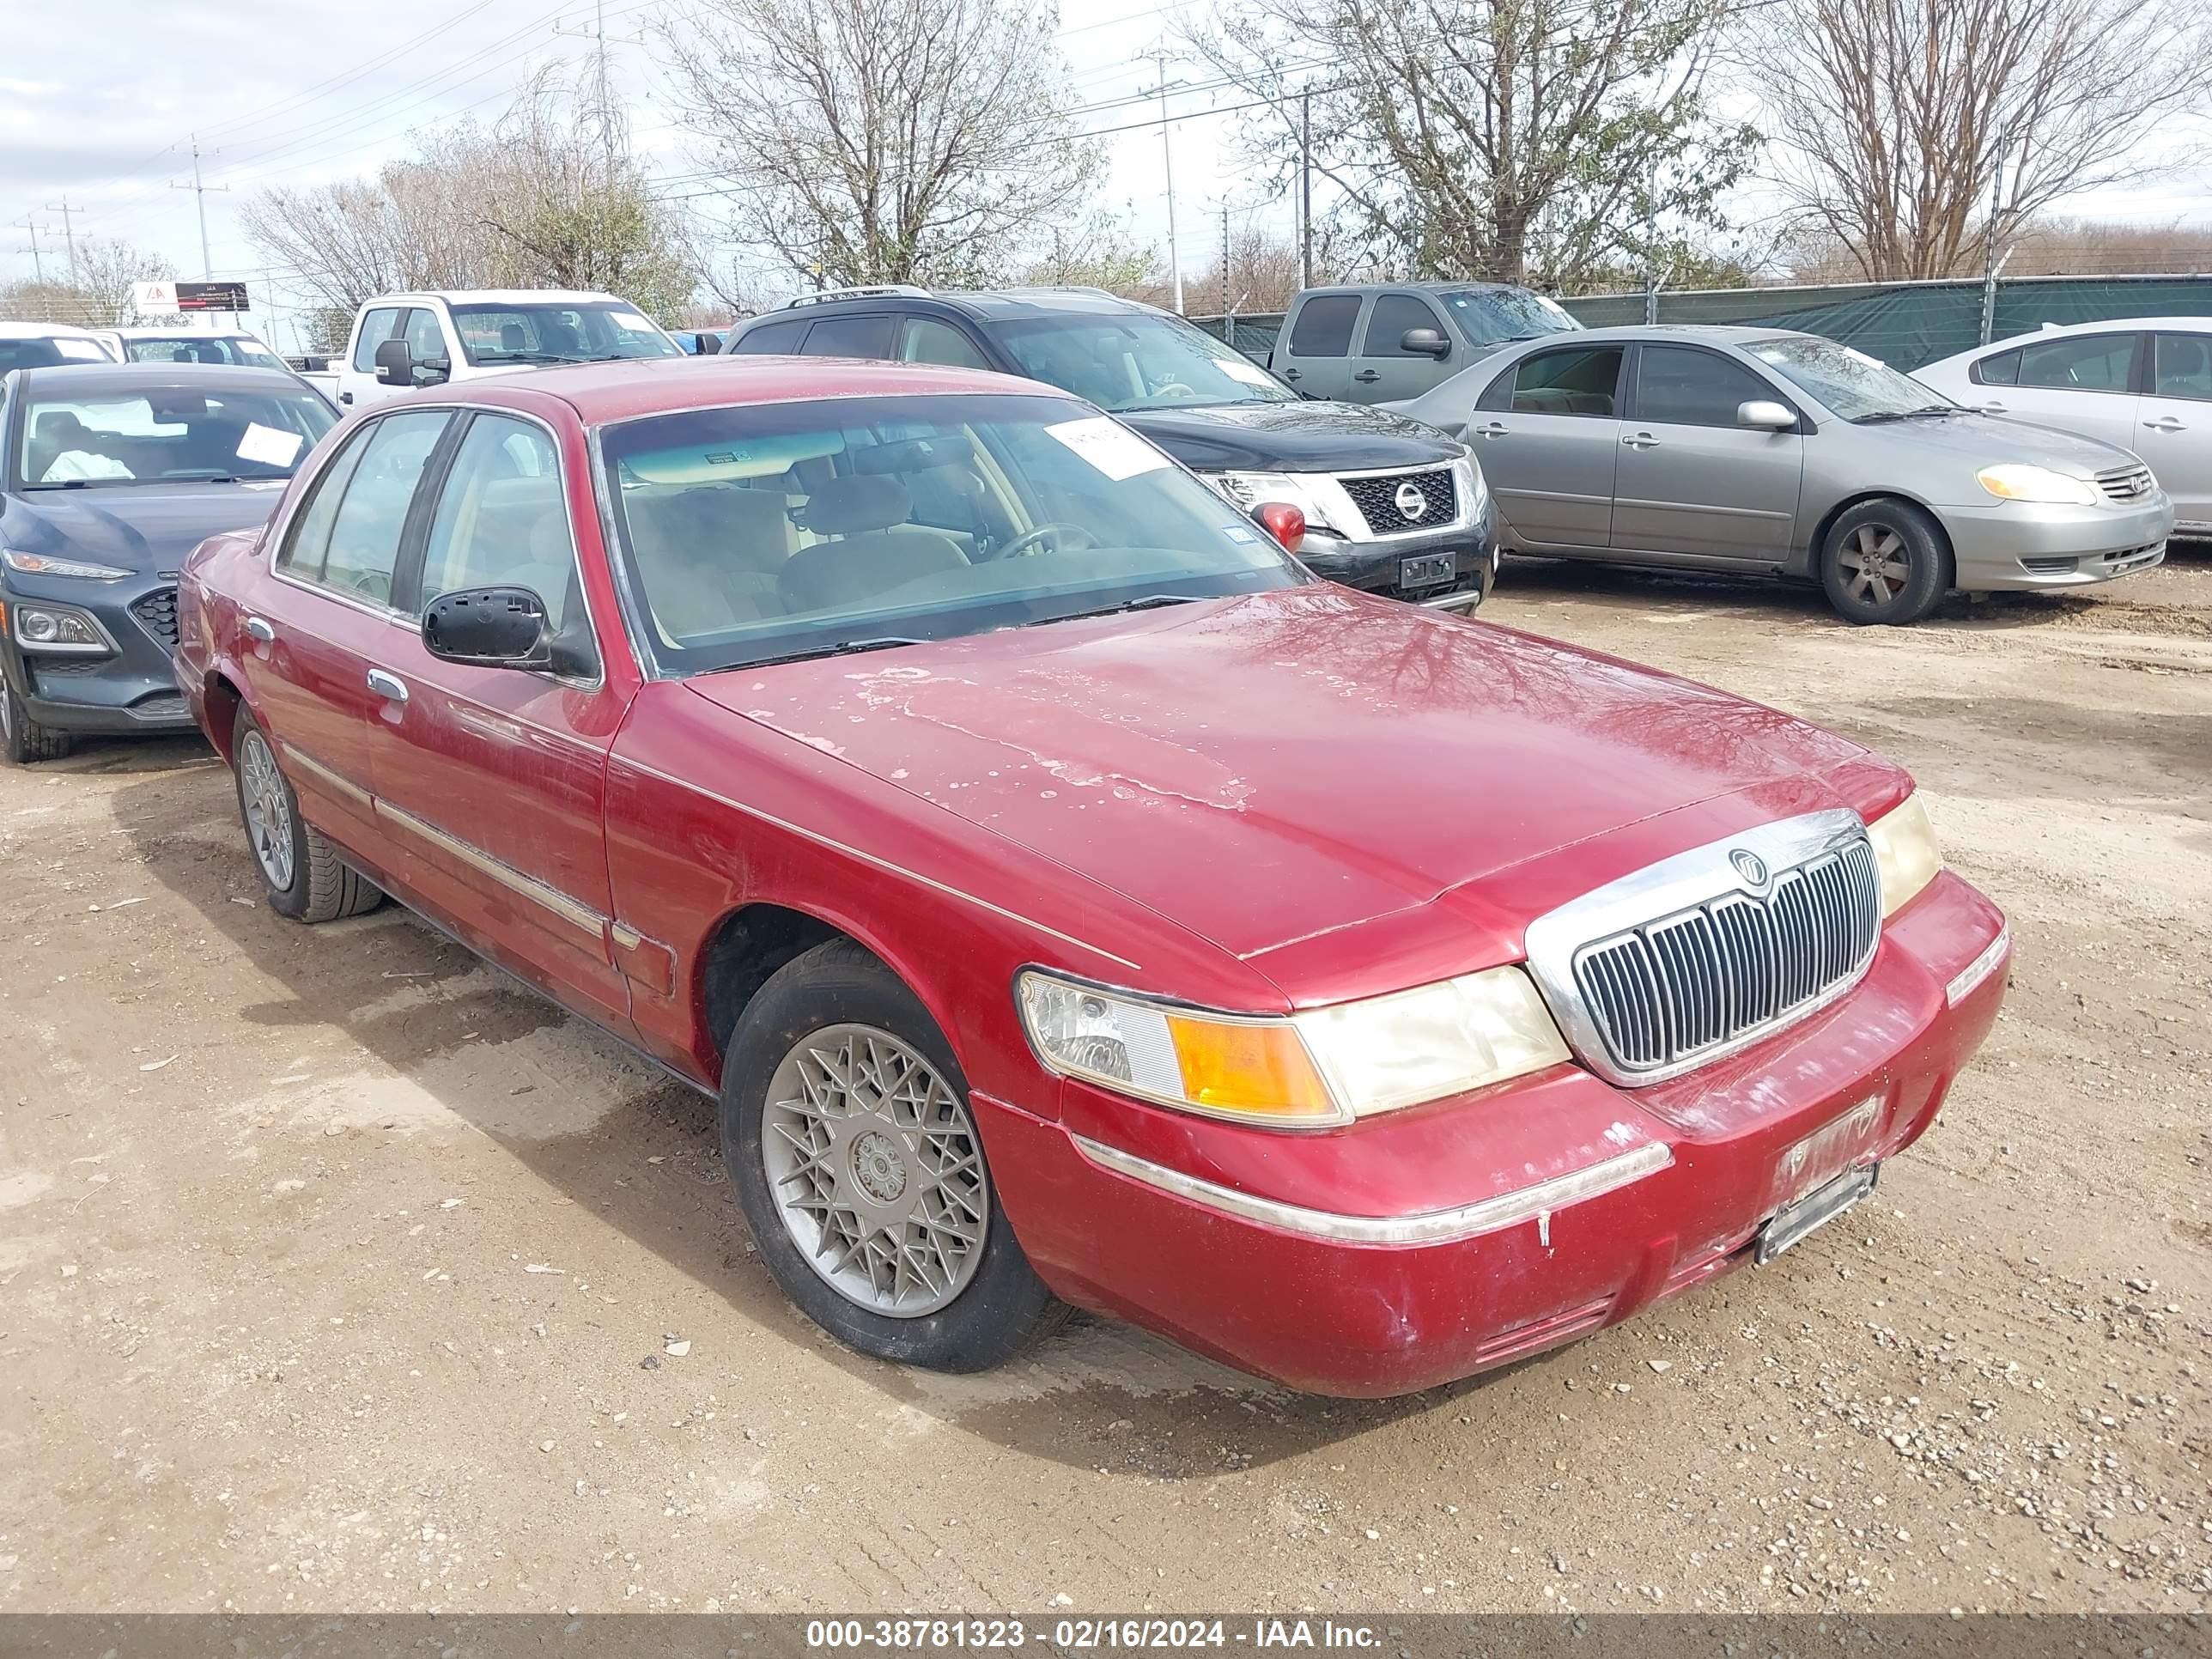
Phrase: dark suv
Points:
(1392, 506)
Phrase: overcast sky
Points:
(102, 114)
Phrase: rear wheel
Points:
(847, 1130)
(1885, 562)
(24, 739)
(302, 873)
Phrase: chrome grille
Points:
(1377, 498)
(1667, 992)
(2127, 483)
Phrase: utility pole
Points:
(1167, 155)
(1305, 188)
(606, 115)
(69, 233)
(1989, 262)
(37, 266)
(1224, 273)
(199, 194)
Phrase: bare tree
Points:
(96, 292)
(1912, 133)
(1499, 138)
(867, 141)
(1101, 250)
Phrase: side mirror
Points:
(394, 367)
(1284, 523)
(489, 627)
(1766, 415)
(1425, 341)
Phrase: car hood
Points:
(1986, 440)
(1268, 768)
(143, 528)
(1306, 436)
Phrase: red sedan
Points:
(1067, 897)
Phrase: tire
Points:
(799, 1153)
(1885, 562)
(301, 871)
(24, 739)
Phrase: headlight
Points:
(1249, 489)
(2016, 481)
(1904, 852)
(37, 564)
(57, 629)
(1472, 487)
(1312, 1070)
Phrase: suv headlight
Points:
(1319, 1068)
(1904, 852)
(37, 564)
(1249, 489)
(61, 629)
(2018, 481)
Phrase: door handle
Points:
(1495, 429)
(1367, 374)
(260, 630)
(388, 685)
(345, 396)
(1290, 375)
(1640, 441)
(2166, 423)
(1991, 407)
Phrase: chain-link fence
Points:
(1904, 324)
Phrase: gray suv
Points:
(1379, 342)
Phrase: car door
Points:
(1315, 354)
(325, 617)
(2081, 383)
(357, 382)
(1548, 434)
(495, 777)
(1385, 370)
(2173, 424)
(1690, 483)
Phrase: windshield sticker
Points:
(1251, 373)
(1111, 447)
(1237, 530)
(268, 446)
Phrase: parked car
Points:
(109, 475)
(1094, 907)
(234, 347)
(405, 340)
(47, 345)
(1383, 342)
(699, 342)
(2144, 384)
(1770, 453)
(1390, 506)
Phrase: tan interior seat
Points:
(872, 548)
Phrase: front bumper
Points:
(1497, 1252)
(2015, 545)
(1379, 566)
(129, 689)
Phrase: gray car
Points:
(1771, 453)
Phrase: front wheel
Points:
(1885, 562)
(847, 1130)
(302, 873)
(22, 738)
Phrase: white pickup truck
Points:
(401, 341)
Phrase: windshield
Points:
(581, 333)
(165, 434)
(768, 532)
(1850, 383)
(1137, 361)
(202, 349)
(1487, 316)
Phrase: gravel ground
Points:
(336, 1275)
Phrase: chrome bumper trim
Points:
(1536, 1203)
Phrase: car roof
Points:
(1710, 333)
(602, 393)
(500, 297)
(1424, 287)
(983, 303)
(182, 331)
(45, 331)
(92, 380)
(2110, 325)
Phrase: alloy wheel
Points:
(875, 1170)
(1876, 564)
(268, 810)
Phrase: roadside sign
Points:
(211, 296)
(148, 299)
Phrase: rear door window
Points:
(2086, 362)
(1583, 380)
(851, 336)
(1324, 327)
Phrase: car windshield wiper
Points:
(522, 357)
(841, 648)
(1149, 602)
(1907, 414)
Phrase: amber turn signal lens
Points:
(1258, 1071)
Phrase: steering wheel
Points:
(1031, 541)
(1174, 389)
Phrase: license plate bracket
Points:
(1794, 1222)
(1427, 569)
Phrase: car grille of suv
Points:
(1668, 991)
(2126, 483)
(1377, 498)
(157, 615)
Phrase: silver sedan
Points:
(1771, 453)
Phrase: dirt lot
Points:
(334, 1273)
